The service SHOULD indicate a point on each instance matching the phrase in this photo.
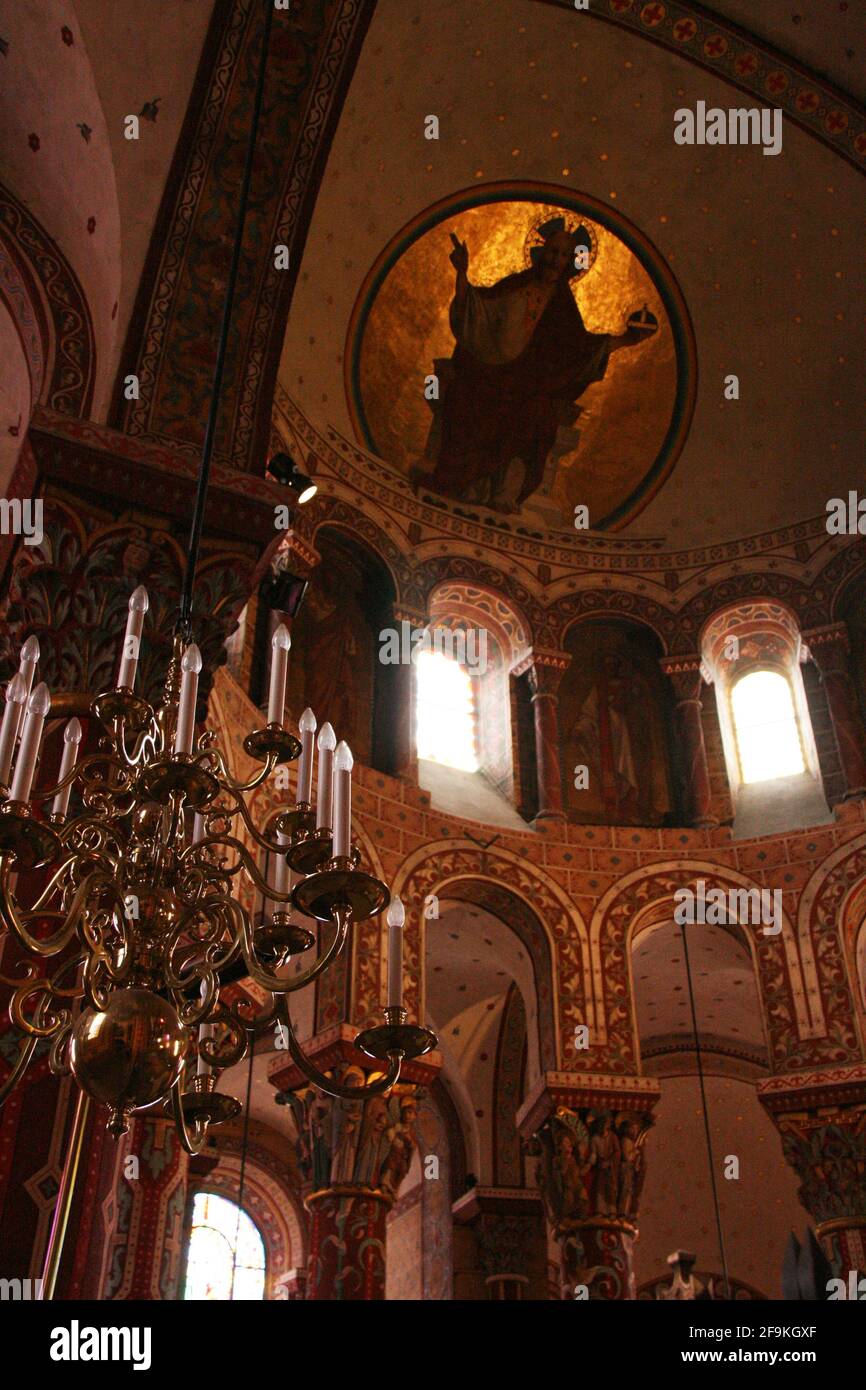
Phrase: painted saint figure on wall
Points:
(522, 359)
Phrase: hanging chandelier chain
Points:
(186, 601)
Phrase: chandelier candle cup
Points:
(25, 767)
(307, 727)
(343, 764)
(280, 644)
(27, 668)
(71, 740)
(16, 699)
(396, 919)
(138, 606)
(325, 790)
(190, 667)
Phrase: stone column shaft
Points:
(545, 674)
(686, 679)
(830, 648)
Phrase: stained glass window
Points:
(224, 1244)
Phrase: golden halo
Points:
(535, 239)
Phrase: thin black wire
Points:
(222, 347)
(706, 1113)
(243, 1172)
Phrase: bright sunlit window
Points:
(768, 738)
(445, 718)
(223, 1242)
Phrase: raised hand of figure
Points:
(460, 255)
(638, 332)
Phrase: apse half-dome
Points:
(559, 375)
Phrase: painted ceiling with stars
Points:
(764, 250)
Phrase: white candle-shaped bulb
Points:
(307, 726)
(281, 869)
(190, 666)
(71, 740)
(138, 606)
(25, 767)
(28, 658)
(198, 828)
(280, 644)
(16, 700)
(396, 918)
(205, 1033)
(343, 764)
(327, 742)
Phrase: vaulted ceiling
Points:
(765, 249)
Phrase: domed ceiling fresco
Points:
(750, 265)
(524, 349)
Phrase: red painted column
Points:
(685, 677)
(830, 647)
(353, 1156)
(545, 674)
(144, 1250)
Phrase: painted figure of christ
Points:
(522, 358)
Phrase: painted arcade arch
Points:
(503, 883)
(648, 896)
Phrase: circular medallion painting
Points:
(526, 350)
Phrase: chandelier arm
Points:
(219, 1055)
(88, 822)
(48, 793)
(211, 964)
(147, 736)
(323, 1082)
(248, 863)
(225, 776)
(192, 1143)
(14, 922)
(258, 1026)
(34, 1028)
(243, 811)
(22, 1062)
(59, 1065)
(278, 986)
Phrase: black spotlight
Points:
(286, 471)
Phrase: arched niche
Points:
(335, 666)
(487, 971)
(727, 1003)
(615, 726)
(734, 1056)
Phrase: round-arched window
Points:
(445, 712)
(226, 1254)
(765, 723)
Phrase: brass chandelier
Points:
(133, 930)
(139, 917)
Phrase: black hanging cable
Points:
(243, 1172)
(222, 347)
(706, 1113)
